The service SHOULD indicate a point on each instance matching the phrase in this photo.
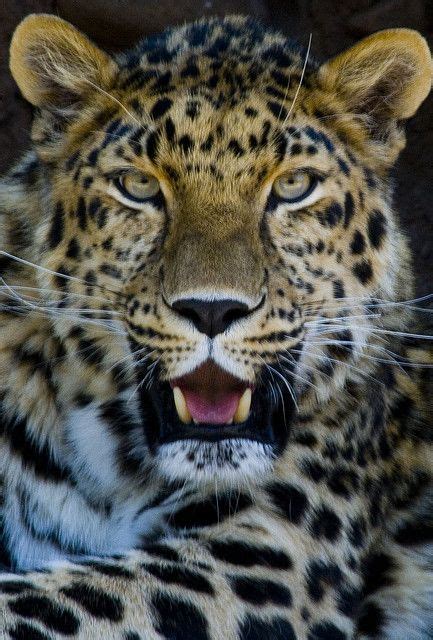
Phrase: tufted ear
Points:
(386, 76)
(54, 64)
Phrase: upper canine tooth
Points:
(181, 408)
(243, 410)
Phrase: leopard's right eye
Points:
(295, 186)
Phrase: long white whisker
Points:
(307, 55)
(290, 390)
(65, 294)
(109, 95)
(318, 352)
(56, 273)
(130, 356)
(296, 375)
(377, 331)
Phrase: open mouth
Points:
(210, 404)
(210, 395)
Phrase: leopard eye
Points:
(295, 186)
(137, 187)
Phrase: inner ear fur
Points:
(54, 64)
(386, 76)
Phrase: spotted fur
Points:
(330, 537)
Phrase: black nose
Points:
(211, 318)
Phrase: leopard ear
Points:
(386, 76)
(54, 64)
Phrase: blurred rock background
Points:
(334, 24)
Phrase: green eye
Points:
(294, 186)
(137, 186)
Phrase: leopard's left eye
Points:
(137, 186)
(134, 188)
(295, 186)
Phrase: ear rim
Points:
(34, 27)
(419, 88)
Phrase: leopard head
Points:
(222, 203)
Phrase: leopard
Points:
(215, 378)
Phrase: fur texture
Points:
(328, 537)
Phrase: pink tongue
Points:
(218, 411)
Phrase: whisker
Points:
(148, 375)
(44, 312)
(114, 99)
(296, 375)
(313, 369)
(378, 331)
(56, 273)
(289, 388)
(271, 386)
(284, 98)
(369, 302)
(307, 55)
(392, 357)
(349, 366)
(130, 356)
(55, 292)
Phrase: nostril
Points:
(232, 315)
(190, 314)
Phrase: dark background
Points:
(334, 24)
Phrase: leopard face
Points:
(223, 203)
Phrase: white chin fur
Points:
(231, 462)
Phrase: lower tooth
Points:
(181, 407)
(243, 410)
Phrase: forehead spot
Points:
(319, 137)
(295, 149)
(134, 140)
(207, 144)
(253, 142)
(160, 55)
(152, 146)
(277, 55)
(162, 83)
(235, 148)
(294, 133)
(160, 108)
(280, 146)
(275, 93)
(186, 143)
(139, 79)
(135, 105)
(250, 112)
(170, 130)
(191, 70)
(280, 78)
(277, 110)
(193, 109)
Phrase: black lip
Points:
(269, 421)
